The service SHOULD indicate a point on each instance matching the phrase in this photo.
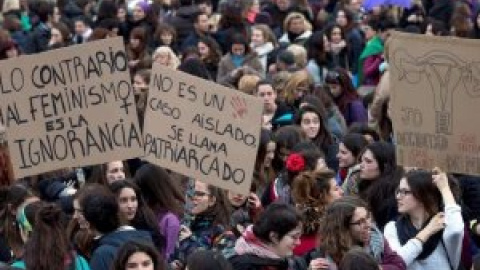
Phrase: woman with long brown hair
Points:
(347, 225)
(163, 196)
(109, 172)
(137, 50)
(314, 124)
(210, 54)
(345, 96)
(47, 245)
(377, 180)
(346, 19)
(210, 226)
(429, 233)
(135, 212)
(11, 199)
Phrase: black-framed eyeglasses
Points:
(200, 194)
(402, 192)
(363, 221)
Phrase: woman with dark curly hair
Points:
(210, 54)
(312, 192)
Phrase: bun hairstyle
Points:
(50, 215)
(312, 187)
(310, 192)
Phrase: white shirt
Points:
(452, 237)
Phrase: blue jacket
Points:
(108, 245)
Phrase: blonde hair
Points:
(299, 79)
(299, 54)
(296, 15)
(267, 33)
(279, 81)
(248, 83)
(214, 22)
(173, 62)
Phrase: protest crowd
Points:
(327, 191)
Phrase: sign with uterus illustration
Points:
(435, 101)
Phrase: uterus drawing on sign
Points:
(445, 73)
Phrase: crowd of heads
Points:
(326, 190)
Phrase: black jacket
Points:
(38, 39)
(182, 21)
(104, 254)
(252, 262)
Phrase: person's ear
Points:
(211, 200)
(273, 237)
(23, 234)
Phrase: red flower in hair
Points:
(295, 163)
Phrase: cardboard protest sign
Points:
(435, 83)
(201, 129)
(69, 107)
(6, 173)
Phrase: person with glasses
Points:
(209, 228)
(429, 234)
(270, 241)
(348, 225)
(376, 181)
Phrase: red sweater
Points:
(307, 243)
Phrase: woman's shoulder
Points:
(227, 57)
(391, 226)
(254, 262)
(168, 215)
(19, 264)
(81, 263)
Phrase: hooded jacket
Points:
(108, 245)
(252, 254)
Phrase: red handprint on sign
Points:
(239, 106)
